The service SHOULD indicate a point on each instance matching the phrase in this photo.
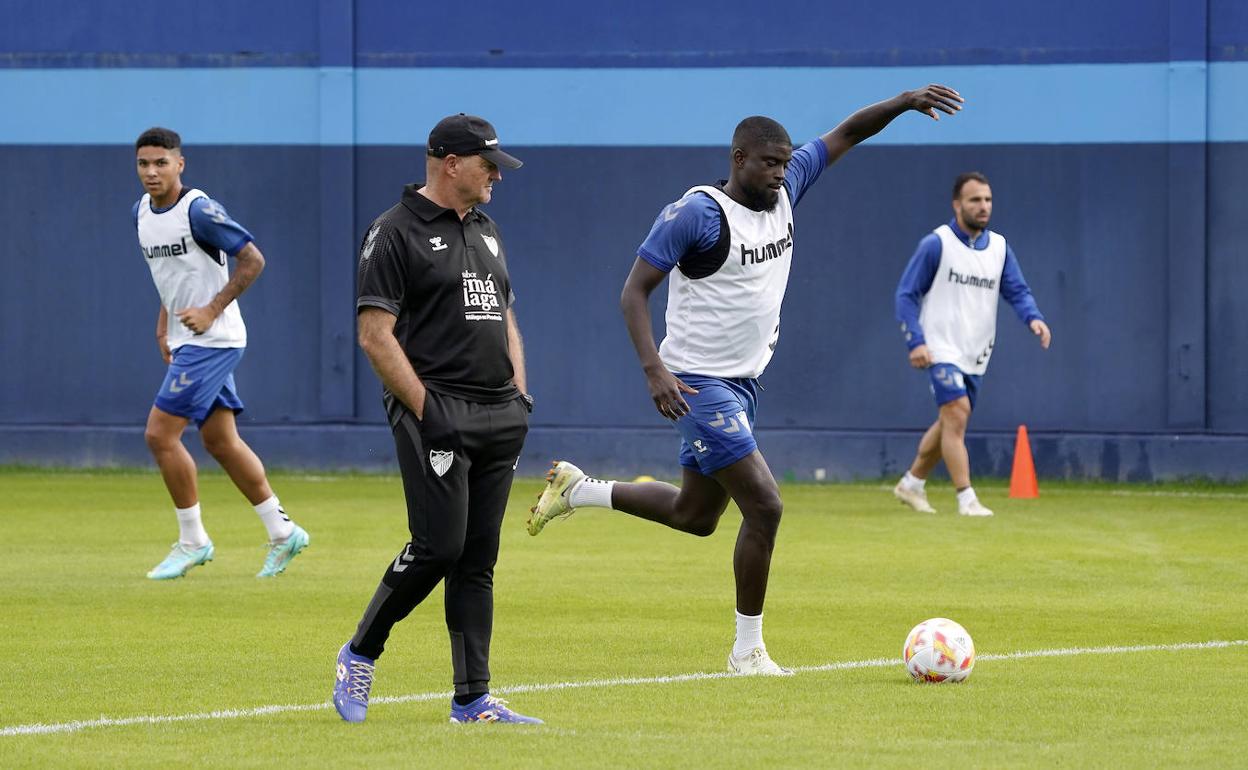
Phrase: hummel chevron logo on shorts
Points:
(180, 384)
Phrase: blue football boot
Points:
(352, 685)
(487, 708)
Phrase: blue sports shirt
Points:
(695, 227)
(211, 225)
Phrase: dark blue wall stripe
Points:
(222, 33)
(644, 33)
(1090, 224)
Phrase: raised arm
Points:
(869, 121)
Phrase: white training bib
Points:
(959, 312)
(728, 323)
(187, 275)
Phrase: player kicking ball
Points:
(185, 237)
(726, 249)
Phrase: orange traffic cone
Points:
(1023, 477)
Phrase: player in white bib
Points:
(185, 237)
(726, 249)
(947, 304)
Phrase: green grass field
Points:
(604, 597)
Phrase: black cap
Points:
(468, 135)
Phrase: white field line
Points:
(71, 727)
(1106, 492)
(1152, 493)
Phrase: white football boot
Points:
(916, 499)
(974, 508)
(756, 662)
(553, 502)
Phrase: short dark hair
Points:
(159, 137)
(963, 178)
(758, 130)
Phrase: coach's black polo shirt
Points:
(446, 282)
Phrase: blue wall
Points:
(230, 33)
(1118, 150)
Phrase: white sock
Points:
(749, 634)
(966, 497)
(275, 519)
(592, 493)
(190, 529)
(912, 482)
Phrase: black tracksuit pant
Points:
(457, 466)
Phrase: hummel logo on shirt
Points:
(764, 252)
(673, 209)
(168, 250)
(987, 352)
(971, 280)
(370, 243)
(437, 243)
(214, 210)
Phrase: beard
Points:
(764, 199)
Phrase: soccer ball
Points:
(939, 650)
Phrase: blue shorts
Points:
(198, 381)
(950, 384)
(718, 430)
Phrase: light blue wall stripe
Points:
(1042, 104)
(336, 104)
(1188, 101)
(1228, 101)
(206, 106)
